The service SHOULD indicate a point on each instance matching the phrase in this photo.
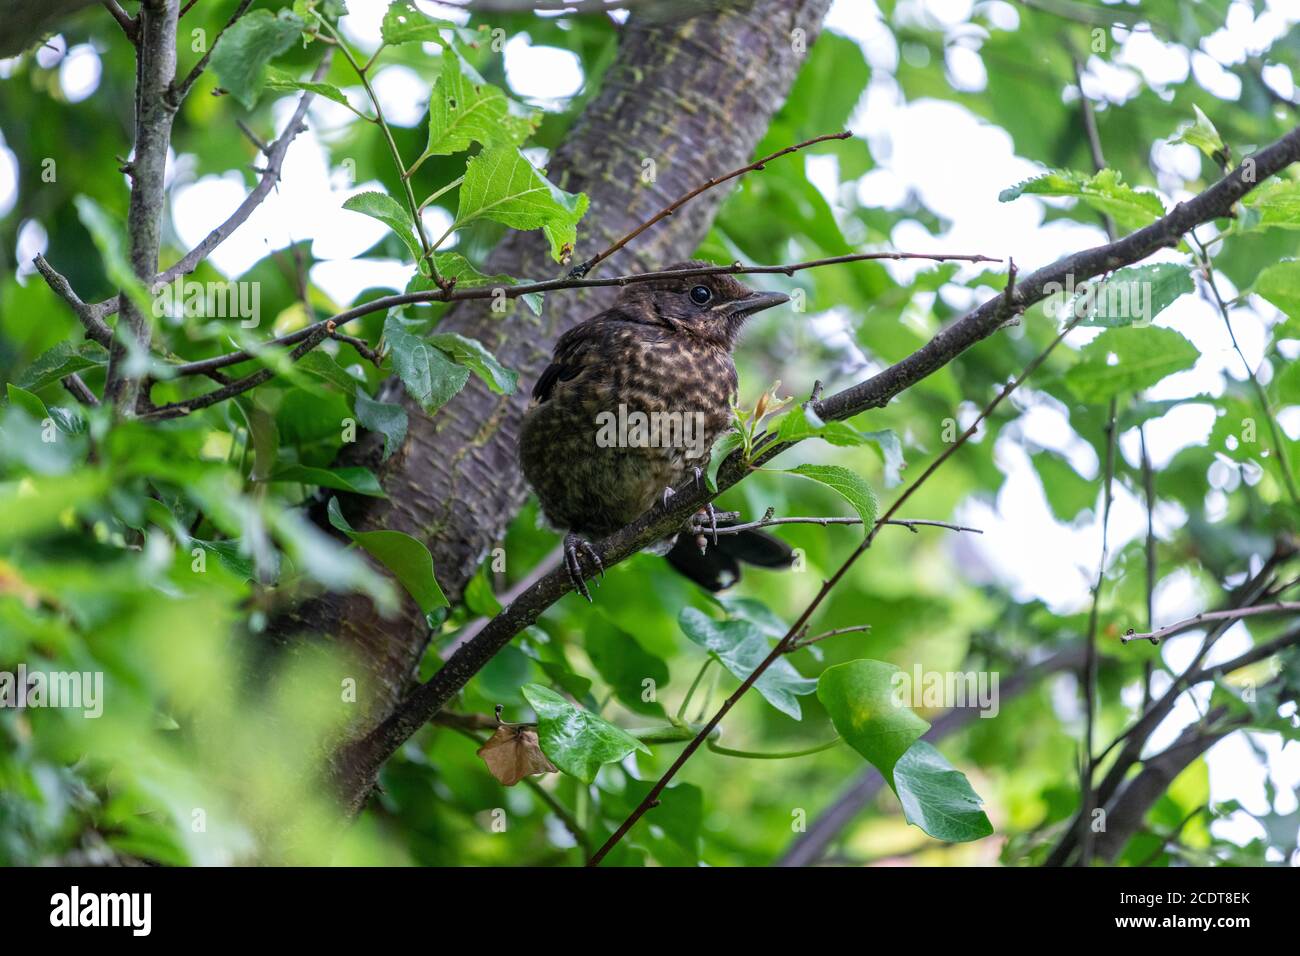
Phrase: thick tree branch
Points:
(363, 758)
(155, 70)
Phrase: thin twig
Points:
(911, 524)
(580, 270)
(549, 285)
(1088, 765)
(129, 26)
(79, 390)
(835, 632)
(96, 329)
(238, 387)
(1231, 614)
(361, 346)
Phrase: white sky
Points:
(1028, 550)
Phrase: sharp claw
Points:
(668, 493)
(573, 564)
(713, 522)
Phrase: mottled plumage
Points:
(660, 355)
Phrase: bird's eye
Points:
(701, 295)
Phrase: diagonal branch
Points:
(1230, 614)
(356, 763)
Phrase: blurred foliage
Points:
(155, 554)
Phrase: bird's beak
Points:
(754, 302)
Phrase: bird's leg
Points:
(707, 509)
(574, 543)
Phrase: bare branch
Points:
(129, 26)
(1231, 614)
(238, 387)
(79, 390)
(580, 270)
(96, 329)
(911, 524)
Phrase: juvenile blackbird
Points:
(630, 405)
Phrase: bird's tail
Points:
(719, 566)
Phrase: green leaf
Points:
(325, 368)
(863, 699)
(452, 265)
(404, 23)
(1280, 285)
(576, 740)
(408, 559)
(1137, 294)
(848, 485)
(359, 481)
(60, 361)
(279, 80)
(1202, 134)
(391, 213)
(1128, 360)
(724, 446)
(937, 798)
(1067, 492)
(1274, 204)
(247, 45)
(464, 109)
(428, 374)
(32, 405)
(1105, 192)
(624, 665)
(470, 352)
(740, 646)
(802, 422)
(385, 418)
(502, 185)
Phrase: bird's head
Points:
(709, 307)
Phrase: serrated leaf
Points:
(1134, 295)
(471, 353)
(1128, 360)
(408, 559)
(245, 48)
(503, 186)
(1280, 285)
(1105, 191)
(404, 22)
(429, 375)
(576, 740)
(740, 646)
(849, 485)
(359, 481)
(61, 361)
(464, 109)
(384, 418)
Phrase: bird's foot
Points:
(705, 519)
(573, 544)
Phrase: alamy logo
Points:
(103, 909)
(213, 300)
(948, 689)
(72, 690)
(637, 429)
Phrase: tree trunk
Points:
(694, 96)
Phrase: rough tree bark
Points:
(693, 95)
